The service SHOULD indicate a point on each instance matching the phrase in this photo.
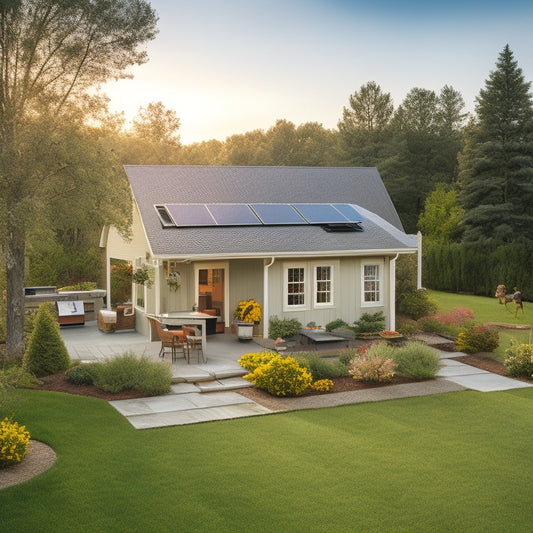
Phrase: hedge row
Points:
(478, 269)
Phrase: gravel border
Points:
(39, 459)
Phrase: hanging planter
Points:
(174, 281)
(141, 276)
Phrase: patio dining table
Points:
(191, 318)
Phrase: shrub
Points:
(519, 360)
(252, 360)
(477, 338)
(283, 328)
(345, 356)
(370, 323)
(281, 377)
(319, 367)
(417, 360)
(417, 304)
(407, 330)
(15, 377)
(248, 311)
(46, 353)
(128, 372)
(458, 317)
(80, 375)
(336, 324)
(14, 440)
(323, 385)
(432, 325)
(375, 369)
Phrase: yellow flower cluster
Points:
(248, 311)
(281, 376)
(322, 385)
(14, 440)
(252, 360)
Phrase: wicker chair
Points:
(194, 342)
(170, 339)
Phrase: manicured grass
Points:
(490, 310)
(450, 462)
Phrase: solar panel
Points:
(190, 215)
(278, 214)
(349, 211)
(320, 213)
(233, 215)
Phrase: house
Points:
(312, 243)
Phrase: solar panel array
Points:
(197, 215)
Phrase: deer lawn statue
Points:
(504, 298)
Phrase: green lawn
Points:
(449, 462)
(490, 310)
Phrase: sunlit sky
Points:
(239, 65)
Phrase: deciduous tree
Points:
(52, 53)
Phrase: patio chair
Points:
(194, 342)
(170, 339)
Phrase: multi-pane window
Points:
(323, 281)
(371, 284)
(295, 286)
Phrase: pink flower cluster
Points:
(458, 317)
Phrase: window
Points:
(371, 285)
(296, 287)
(323, 285)
(308, 285)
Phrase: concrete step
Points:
(231, 383)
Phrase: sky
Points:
(239, 65)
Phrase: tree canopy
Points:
(52, 53)
(497, 162)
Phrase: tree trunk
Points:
(15, 252)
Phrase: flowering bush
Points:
(322, 385)
(281, 377)
(519, 360)
(14, 440)
(458, 317)
(252, 360)
(477, 338)
(375, 369)
(248, 311)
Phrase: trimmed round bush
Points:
(46, 353)
(478, 338)
(320, 368)
(79, 375)
(519, 360)
(281, 377)
(416, 360)
(14, 440)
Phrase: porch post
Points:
(265, 297)
(392, 293)
(419, 261)
(157, 288)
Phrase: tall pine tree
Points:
(497, 161)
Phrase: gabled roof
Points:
(363, 187)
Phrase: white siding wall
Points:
(347, 290)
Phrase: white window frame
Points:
(331, 303)
(286, 305)
(379, 281)
(310, 285)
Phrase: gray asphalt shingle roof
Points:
(153, 185)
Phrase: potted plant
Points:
(247, 313)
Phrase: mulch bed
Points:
(59, 383)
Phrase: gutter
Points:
(265, 297)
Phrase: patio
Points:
(88, 343)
